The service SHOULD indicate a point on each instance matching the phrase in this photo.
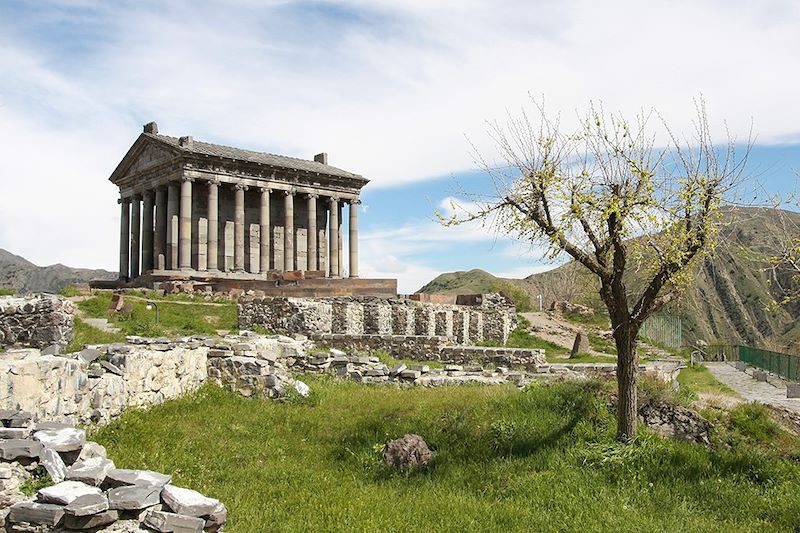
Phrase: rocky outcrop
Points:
(676, 422)
(38, 320)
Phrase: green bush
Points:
(7, 292)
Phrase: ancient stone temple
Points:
(201, 211)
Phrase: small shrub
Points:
(39, 479)
(7, 292)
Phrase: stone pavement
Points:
(770, 393)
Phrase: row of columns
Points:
(171, 209)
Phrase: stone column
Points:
(312, 233)
(124, 235)
(213, 225)
(185, 231)
(354, 237)
(333, 235)
(135, 231)
(263, 231)
(147, 232)
(288, 231)
(173, 202)
(238, 227)
(341, 241)
(160, 240)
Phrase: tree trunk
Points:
(627, 394)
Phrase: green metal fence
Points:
(666, 330)
(784, 365)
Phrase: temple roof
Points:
(228, 152)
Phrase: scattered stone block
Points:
(453, 368)
(87, 504)
(14, 433)
(424, 369)
(188, 502)
(793, 390)
(91, 522)
(13, 449)
(741, 366)
(580, 345)
(114, 369)
(92, 449)
(301, 388)
(120, 477)
(65, 492)
(410, 374)
(133, 497)
(21, 419)
(52, 425)
(54, 464)
(92, 471)
(407, 453)
(47, 514)
(62, 440)
(53, 349)
(89, 355)
(759, 375)
(170, 522)
(116, 304)
(217, 518)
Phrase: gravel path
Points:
(770, 393)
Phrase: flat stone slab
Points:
(86, 505)
(133, 497)
(92, 449)
(65, 492)
(217, 518)
(54, 464)
(170, 522)
(92, 471)
(63, 439)
(120, 477)
(188, 502)
(13, 449)
(52, 425)
(14, 433)
(36, 513)
(92, 522)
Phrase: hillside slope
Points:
(23, 276)
(729, 298)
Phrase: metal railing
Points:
(784, 365)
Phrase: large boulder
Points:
(407, 453)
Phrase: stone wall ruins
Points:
(38, 320)
(379, 316)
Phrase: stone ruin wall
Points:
(378, 316)
(38, 320)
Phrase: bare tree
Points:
(610, 198)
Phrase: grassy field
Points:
(543, 459)
(177, 314)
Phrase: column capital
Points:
(355, 201)
(187, 178)
(240, 186)
(290, 192)
(333, 199)
(213, 181)
(265, 189)
(312, 195)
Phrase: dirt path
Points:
(557, 330)
(769, 393)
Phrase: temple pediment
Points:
(145, 154)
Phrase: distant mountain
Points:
(729, 298)
(23, 276)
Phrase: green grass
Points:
(175, 319)
(539, 460)
(85, 334)
(599, 320)
(601, 344)
(70, 291)
(698, 379)
(39, 479)
(7, 292)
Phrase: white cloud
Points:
(389, 88)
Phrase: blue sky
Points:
(398, 91)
